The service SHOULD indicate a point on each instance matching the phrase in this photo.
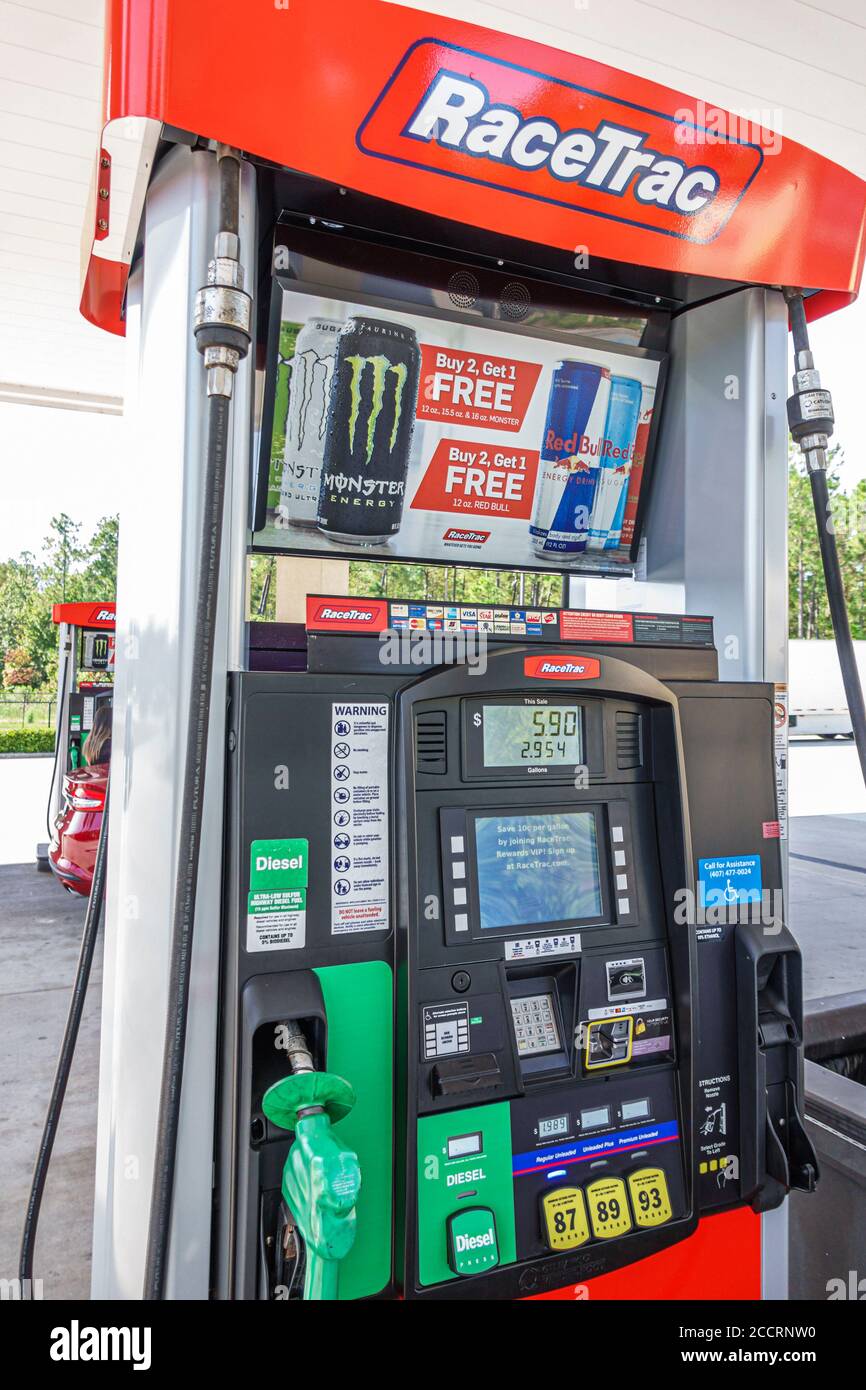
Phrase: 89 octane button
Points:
(608, 1208)
(649, 1197)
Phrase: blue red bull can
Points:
(620, 431)
(571, 450)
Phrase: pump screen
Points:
(535, 869)
(517, 735)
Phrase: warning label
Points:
(359, 798)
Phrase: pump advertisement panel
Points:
(413, 437)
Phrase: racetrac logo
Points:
(467, 116)
(457, 533)
(370, 615)
(562, 668)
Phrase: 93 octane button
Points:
(649, 1197)
(563, 1213)
(608, 1208)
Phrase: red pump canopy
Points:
(98, 615)
(483, 128)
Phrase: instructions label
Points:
(780, 759)
(731, 879)
(359, 800)
(277, 900)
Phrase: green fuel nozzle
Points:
(321, 1176)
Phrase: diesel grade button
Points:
(472, 1243)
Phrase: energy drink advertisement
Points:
(449, 436)
(641, 444)
(620, 428)
(571, 450)
(312, 368)
(371, 417)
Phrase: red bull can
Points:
(641, 443)
(570, 454)
(620, 429)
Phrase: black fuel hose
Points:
(812, 434)
(839, 612)
(67, 1052)
(183, 916)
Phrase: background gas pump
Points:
(86, 643)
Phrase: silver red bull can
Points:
(570, 455)
(641, 444)
(620, 429)
(312, 367)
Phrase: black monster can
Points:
(371, 415)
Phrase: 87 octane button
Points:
(563, 1214)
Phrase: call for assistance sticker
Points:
(729, 879)
(277, 900)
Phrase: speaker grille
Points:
(628, 740)
(431, 742)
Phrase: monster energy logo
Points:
(305, 378)
(381, 367)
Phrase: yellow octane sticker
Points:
(564, 1216)
(608, 1208)
(649, 1197)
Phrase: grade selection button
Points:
(608, 1208)
(650, 1201)
(563, 1216)
(472, 1243)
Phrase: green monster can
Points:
(371, 415)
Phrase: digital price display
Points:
(515, 735)
(553, 1128)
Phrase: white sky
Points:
(56, 461)
(61, 460)
(838, 343)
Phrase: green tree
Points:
(100, 570)
(808, 611)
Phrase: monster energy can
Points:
(312, 367)
(370, 420)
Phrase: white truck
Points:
(816, 694)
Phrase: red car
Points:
(72, 851)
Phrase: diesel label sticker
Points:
(277, 900)
(359, 801)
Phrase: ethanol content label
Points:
(277, 900)
(359, 801)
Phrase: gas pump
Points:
(86, 644)
(479, 971)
